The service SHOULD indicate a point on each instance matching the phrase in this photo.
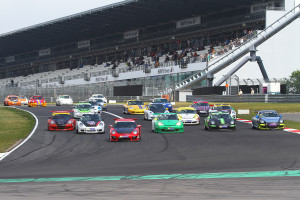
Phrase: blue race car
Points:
(165, 102)
(268, 119)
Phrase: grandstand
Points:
(156, 44)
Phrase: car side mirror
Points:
(110, 126)
(280, 115)
(139, 126)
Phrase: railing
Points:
(256, 40)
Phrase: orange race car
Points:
(12, 100)
(23, 100)
(36, 101)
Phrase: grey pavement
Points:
(291, 116)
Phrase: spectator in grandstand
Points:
(240, 92)
(12, 82)
(252, 91)
(167, 59)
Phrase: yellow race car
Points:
(134, 107)
(188, 115)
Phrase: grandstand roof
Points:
(115, 18)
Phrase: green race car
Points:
(219, 120)
(167, 123)
(83, 108)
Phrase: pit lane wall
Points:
(267, 98)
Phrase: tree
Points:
(294, 82)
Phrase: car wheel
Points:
(253, 126)
(77, 131)
(123, 110)
(205, 128)
(145, 117)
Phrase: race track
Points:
(66, 154)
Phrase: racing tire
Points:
(76, 131)
(145, 117)
(123, 110)
(205, 128)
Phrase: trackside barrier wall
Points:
(246, 98)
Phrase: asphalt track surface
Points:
(196, 151)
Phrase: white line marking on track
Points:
(4, 155)
(113, 114)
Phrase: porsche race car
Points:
(12, 100)
(268, 119)
(188, 115)
(37, 101)
(201, 107)
(165, 102)
(125, 129)
(134, 107)
(83, 108)
(64, 100)
(224, 107)
(167, 123)
(219, 120)
(153, 110)
(61, 120)
(90, 123)
(23, 99)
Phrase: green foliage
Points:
(294, 83)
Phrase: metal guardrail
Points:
(264, 98)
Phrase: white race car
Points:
(153, 110)
(95, 97)
(64, 100)
(188, 115)
(90, 123)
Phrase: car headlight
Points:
(113, 132)
(80, 124)
(69, 122)
(178, 124)
(281, 121)
(101, 124)
(135, 132)
(104, 104)
(233, 112)
(196, 116)
(169, 105)
(160, 124)
(76, 111)
(232, 122)
(212, 122)
(52, 122)
(261, 121)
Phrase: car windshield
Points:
(124, 125)
(22, 97)
(64, 97)
(98, 96)
(37, 97)
(201, 104)
(167, 117)
(225, 107)
(159, 108)
(135, 103)
(187, 112)
(84, 106)
(95, 103)
(270, 114)
(61, 116)
(218, 116)
(95, 118)
(13, 98)
(161, 101)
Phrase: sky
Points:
(17, 14)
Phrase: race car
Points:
(224, 107)
(99, 102)
(23, 99)
(219, 120)
(268, 119)
(163, 101)
(188, 115)
(83, 108)
(12, 100)
(61, 120)
(134, 107)
(36, 101)
(153, 110)
(167, 123)
(64, 100)
(90, 123)
(96, 105)
(95, 97)
(125, 129)
(201, 107)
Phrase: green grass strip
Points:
(15, 125)
(295, 173)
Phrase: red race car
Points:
(125, 129)
(61, 120)
(36, 101)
